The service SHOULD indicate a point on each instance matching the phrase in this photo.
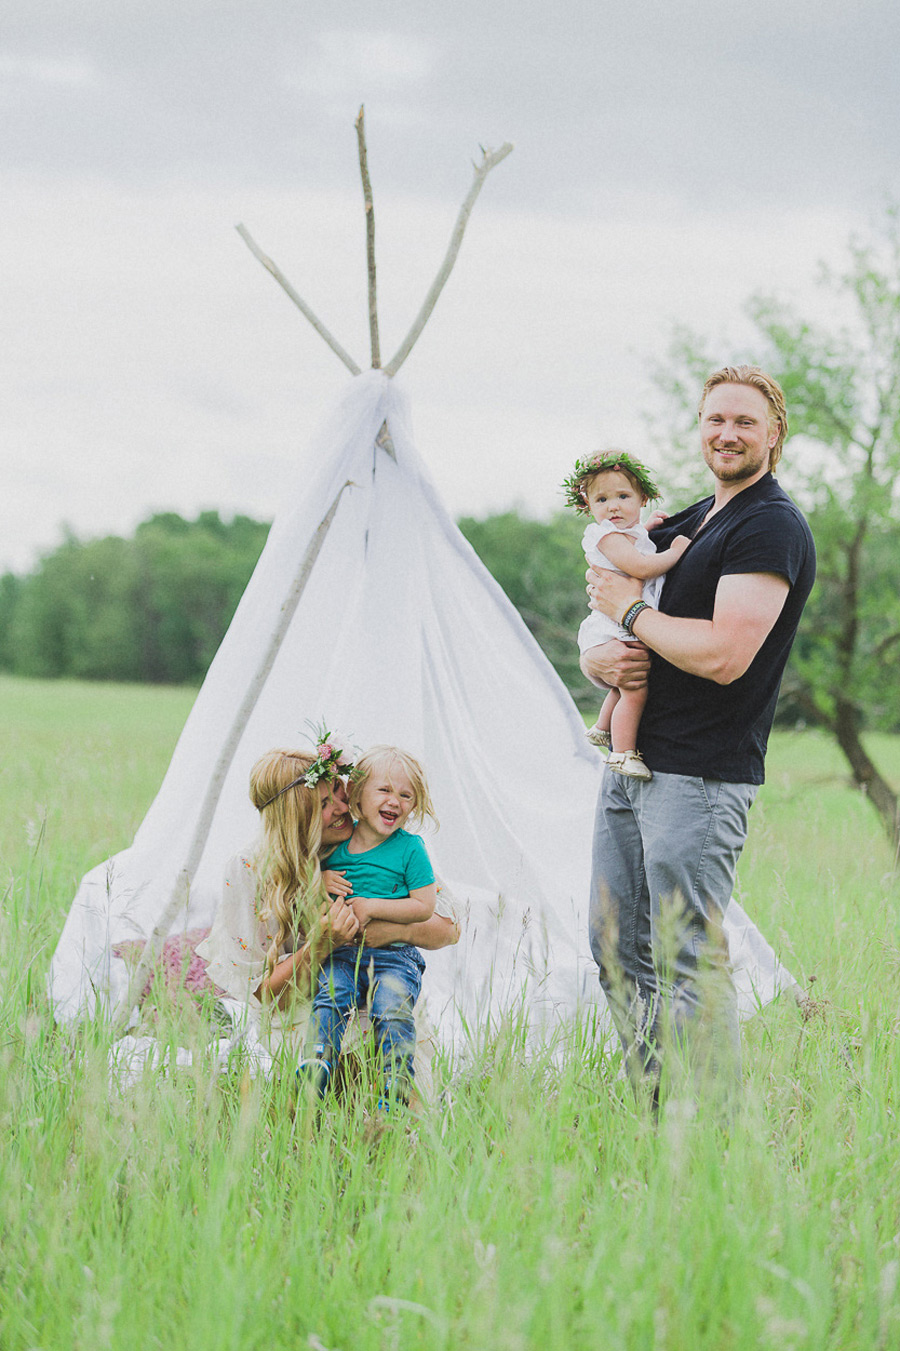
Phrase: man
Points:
(665, 850)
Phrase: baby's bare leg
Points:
(604, 719)
(599, 735)
(626, 718)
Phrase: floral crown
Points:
(600, 463)
(334, 756)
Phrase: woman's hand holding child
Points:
(337, 923)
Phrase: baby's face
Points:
(611, 496)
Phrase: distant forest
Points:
(151, 608)
(155, 607)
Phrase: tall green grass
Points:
(538, 1207)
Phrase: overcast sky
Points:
(670, 160)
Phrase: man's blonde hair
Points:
(769, 388)
(383, 760)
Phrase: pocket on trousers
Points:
(730, 802)
(710, 788)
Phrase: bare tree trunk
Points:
(844, 726)
(849, 606)
(865, 775)
(845, 722)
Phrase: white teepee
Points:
(369, 609)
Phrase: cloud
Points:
(383, 60)
(667, 163)
(158, 366)
(48, 70)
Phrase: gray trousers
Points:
(665, 854)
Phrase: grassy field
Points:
(541, 1210)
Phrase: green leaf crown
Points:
(601, 462)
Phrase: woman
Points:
(273, 927)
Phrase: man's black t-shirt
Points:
(692, 725)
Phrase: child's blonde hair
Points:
(290, 878)
(382, 760)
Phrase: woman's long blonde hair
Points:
(290, 878)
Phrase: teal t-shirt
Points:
(395, 867)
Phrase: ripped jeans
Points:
(388, 981)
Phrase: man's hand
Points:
(615, 665)
(362, 907)
(610, 593)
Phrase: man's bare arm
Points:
(431, 934)
(722, 648)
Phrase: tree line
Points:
(152, 608)
(155, 606)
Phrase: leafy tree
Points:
(843, 397)
(72, 615)
(10, 586)
(151, 608)
(190, 584)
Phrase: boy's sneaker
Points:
(599, 737)
(629, 763)
(316, 1073)
(394, 1094)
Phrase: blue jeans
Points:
(388, 982)
(665, 855)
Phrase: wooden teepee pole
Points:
(230, 743)
(370, 236)
(489, 158)
(297, 299)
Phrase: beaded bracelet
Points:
(631, 614)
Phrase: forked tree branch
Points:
(880, 650)
(489, 159)
(297, 299)
(370, 237)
